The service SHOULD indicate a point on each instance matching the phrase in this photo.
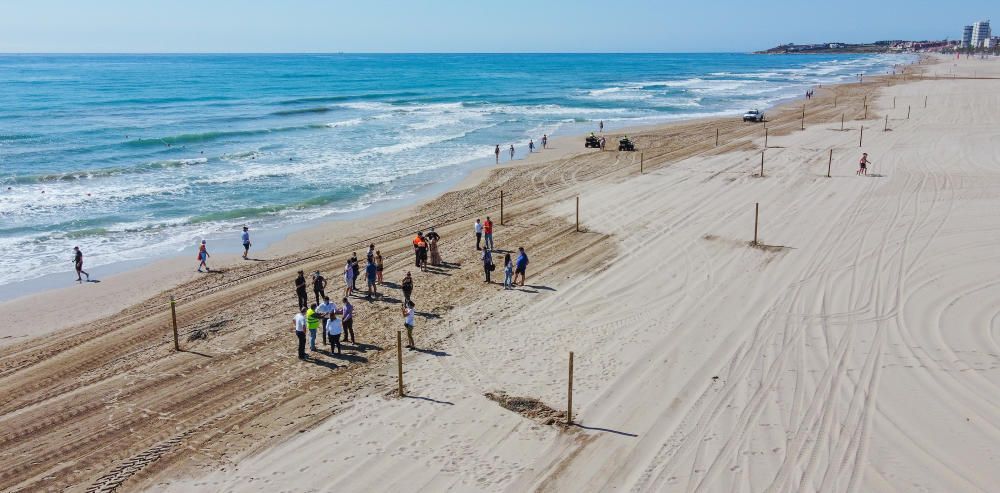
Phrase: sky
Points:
(256, 26)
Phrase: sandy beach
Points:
(853, 348)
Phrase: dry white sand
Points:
(857, 350)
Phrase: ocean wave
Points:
(341, 98)
(211, 136)
(303, 111)
(70, 176)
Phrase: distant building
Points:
(980, 33)
(966, 36)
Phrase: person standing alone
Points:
(408, 321)
(863, 164)
(78, 263)
(246, 242)
(497, 152)
(300, 291)
(203, 257)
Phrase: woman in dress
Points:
(433, 239)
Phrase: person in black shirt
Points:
(319, 285)
(300, 290)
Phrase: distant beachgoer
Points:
(348, 278)
(545, 141)
(325, 310)
(521, 265)
(531, 146)
(508, 271)
(203, 257)
(300, 331)
(312, 323)
(379, 266)
(300, 290)
(863, 164)
(246, 242)
(497, 152)
(319, 286)
(488, 234)
(355, 270)
(512, 152)
(408, 322)
(347, 314)
(432, 246)
(601, 126)
(487, 263)
(333, 330)
(78, 263)
(479, 233)
(371, 274)
(407, 286)
(603, 142)
(420, 250)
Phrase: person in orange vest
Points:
(488, 234)
(420, 250)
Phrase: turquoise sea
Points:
(136, 156)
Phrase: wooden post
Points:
(716, 137)
(762, 163)
(925, 101)
(756, 221)
(803, 123)
(173, 316)
(861, 136)
(577, 213)
(866, 100)
(501, 207)
(841, 122)
(894, 102)
(642, 160)
(866, 113)
(885, 128)
(907, 112)
(765, 137)
(829, 164)
(569, 392)
(835, 101)
(399, 359)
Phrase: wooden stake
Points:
(803, 124)
(761, 163)
(861, 136)
(716, 137)
(577, 213)
(642, 160)
(835, 101)
(765, 137)
(501, 207)
(829, 164)
(907, 112)
(885, 128)
(569, 392)
(866, 113)
(925, 101)
(866, 100)
(756, 221)
(173, 316)
(399, 359)
(841, 122)
(894, 102)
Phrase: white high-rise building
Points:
(980, 33)
(966, 36)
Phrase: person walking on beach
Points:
(407, 286)
(863, 164)
(408, 322)
(347, 314)
(203, 257)
(246, 242)
(479, 233)
(508, 271)
(300, 290)
(488, 234)
(300, 331)
(488, 263)
(600, 126)
(78, 264)
(355, 270)
(497, 152)
(325, 310)
(348, 278)
(333, 330)
(379, 266)
(545, 141)
(319, 286)
(312, 323)
(521, 266)
(370, 275)
(603, 142)
(531, 146)
(432, 247)
(512, 152)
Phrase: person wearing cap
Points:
(246, 242)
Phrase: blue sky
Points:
(466, 26)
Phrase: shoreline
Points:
(133, 281)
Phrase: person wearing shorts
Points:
(863, 164)
(408, 321)
(379, 266)
(246, 242)
(78, 263)
(521, 265)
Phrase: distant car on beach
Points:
(753, 116)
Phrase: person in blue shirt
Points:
(246, 242)
(370, 271)
(521, 265)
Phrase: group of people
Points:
(323, 318)
(425, 245)
(531, 147)
(484, 243)
(374, 265)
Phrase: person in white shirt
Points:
(300, 331)
(408, 314)
(324, 310)
(333, 329)
(479, 233)
(246, 242)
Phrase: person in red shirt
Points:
(488, 234)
